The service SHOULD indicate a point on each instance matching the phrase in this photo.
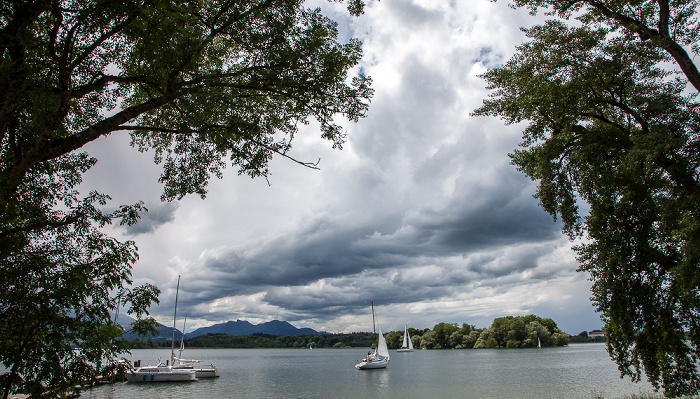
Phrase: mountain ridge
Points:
(243, 327)
(238, 327)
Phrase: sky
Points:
(421, 211)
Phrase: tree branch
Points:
(660, 37)
(41, 225)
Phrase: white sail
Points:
(407, 344)
(380, 358)
(382, 349)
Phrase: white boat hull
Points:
(201, 372)
(160, 374)
(206, 373)
(404, 350)
(374, 364)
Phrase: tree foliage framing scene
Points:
(196, 82)
(608, 90)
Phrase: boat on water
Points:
(176, 369)
(407, 345)
(178, 363)
(202, 371)
(380, 358)
(160, 373)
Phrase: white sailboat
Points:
(163, 372)
(380, 358)
(407, 345)
(160, 373)
(201, 371)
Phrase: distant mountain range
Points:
(238, 327)
(242, 327)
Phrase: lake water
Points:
(575, 371)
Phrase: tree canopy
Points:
(612, 119)
(200, 83)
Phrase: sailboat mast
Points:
(374, 328)
(182, 337)
(172, 344)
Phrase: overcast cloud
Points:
(421, 211)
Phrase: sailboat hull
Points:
(201, 372)
(374, 364)
(404, 350)
(160, 374)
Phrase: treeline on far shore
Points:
(259, 340)
(504, 332)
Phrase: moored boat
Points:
(200, 370)
(160, 373)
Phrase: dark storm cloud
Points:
(500, 222)
(350, 261)
(345, 295)
(158, 214)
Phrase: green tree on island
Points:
(519, 332)
(196, 82)
(610, 125)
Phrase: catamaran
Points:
(160, 373)
(407, 345)
(163, 372)
(177, 369)
(380, 358)
(179, 363)
(184, 364)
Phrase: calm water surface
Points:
(576, 371)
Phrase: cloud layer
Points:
(421, 211)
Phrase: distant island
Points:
(504, 332)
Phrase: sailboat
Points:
(407, 345)
(163, 372)
(179, 363)
(160, 373)
(380, 358)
